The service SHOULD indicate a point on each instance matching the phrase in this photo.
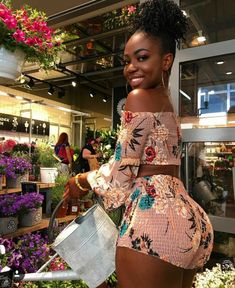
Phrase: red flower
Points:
(151, 191)
(150, 153)
(128, 117)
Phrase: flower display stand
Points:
(11, 64)
(31, 218)
(8, 225)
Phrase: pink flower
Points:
(10, 22)
(131, 10)
(4, 12)
(8, 145)
(19, 35)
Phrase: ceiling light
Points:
(3, 93)
(229, 73)
(185, 13)
(220, 62)
(51, 90)
(185, 95)
(200, 37)
(19, 97)
(92, 94)
(74, 83)
(105, 98)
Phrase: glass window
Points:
(209, 21)
(207, 89)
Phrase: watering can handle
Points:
(52, 219)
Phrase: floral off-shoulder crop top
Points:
(144, 138)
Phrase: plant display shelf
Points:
(18, 190)
(42, 225)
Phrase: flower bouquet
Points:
(26, 30)
(30, 208)
(9, 208)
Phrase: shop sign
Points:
(22, 125)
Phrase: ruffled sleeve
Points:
(113, 180)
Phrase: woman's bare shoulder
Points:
(148, 100)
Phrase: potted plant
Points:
(9, 210)
(57, 194)
(48, 162)
(25, 35)
(16, 168)
(30, 209)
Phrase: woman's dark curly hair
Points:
(162, 19)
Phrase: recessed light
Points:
(229, 73)
(201, 39)
(220, 62)
(19, 97)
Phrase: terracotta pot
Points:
(62, 211)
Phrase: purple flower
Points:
(25, 253)
(14, 166)
(29, 201)
(9, 205)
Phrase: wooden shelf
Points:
(42, 225)
(18, 190)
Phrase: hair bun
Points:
(161, 17)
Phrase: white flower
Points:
(2, 250)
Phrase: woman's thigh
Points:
(137, 270)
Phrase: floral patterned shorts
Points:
(162, 220)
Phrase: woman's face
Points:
(143, 61)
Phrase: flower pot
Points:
(48, 175)
(31, 218)
(62, 211)
(14, 182)
(11, 64)
(8, 225)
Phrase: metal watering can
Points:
(88, 245)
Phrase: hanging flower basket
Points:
(11, 65)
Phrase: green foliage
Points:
(46, 155)
(58, 189)
(119, 18)
(57, 284)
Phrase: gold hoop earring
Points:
(163, 81)
(127, 90)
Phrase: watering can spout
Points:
(48, 276)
